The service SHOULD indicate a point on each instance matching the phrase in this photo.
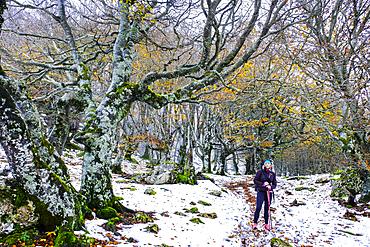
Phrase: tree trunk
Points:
(208, 159)
(146, 155)
(32, 169)
(98, 135)
(99, 140)
(117, 164)
(235, 164)
(185, 171)
(222, 171)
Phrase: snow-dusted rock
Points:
(162, 174)
(353, 181)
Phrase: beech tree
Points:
(223, 38)
(331, 49)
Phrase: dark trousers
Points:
(262, 197)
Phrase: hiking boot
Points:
(267, 227)
(254, 226)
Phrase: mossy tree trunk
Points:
(36, 167)
(34, 164)
(99, 134)
(186, 171)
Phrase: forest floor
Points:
(321, 221)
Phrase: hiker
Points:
(265, 180)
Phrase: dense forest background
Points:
(221, 83)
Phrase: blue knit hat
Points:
(267, 161)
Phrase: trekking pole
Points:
(268, 199)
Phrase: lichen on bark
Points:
(29, 169)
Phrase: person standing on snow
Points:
(264, 180)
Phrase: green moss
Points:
(85, 240)
(55, 177)
(19, 238)
(68, 155)
(87, 212)
(37, 158)
(279, 242)
(115, 220)
(304, 188)
(142, 218)
(179, 213)
(70, 145)
(146, 94)
(4, 218)
(106, 213)
(337, 193)
(204, 203)
(185, 178)
(85, 75)
(65, 239)
(215, 193)
(338, 172)
(196, 221)
(208, 215)
(177, 94)
(132, 160)
(194, 210)
(110, 226)
(152, 192)
(81, 154)
(47, 219)
(153, 228)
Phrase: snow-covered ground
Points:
(320, 222)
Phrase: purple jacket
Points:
(259, 179)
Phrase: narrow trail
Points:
(316, 220)
(259, 237)
(250, 237)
